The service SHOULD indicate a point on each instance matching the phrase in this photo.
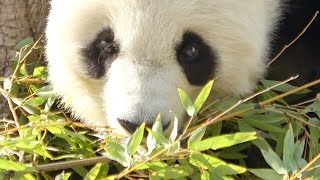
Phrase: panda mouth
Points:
(132, 127)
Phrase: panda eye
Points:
(100, 53)
(196, 58)
(107, 48)
(190, 53)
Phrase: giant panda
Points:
(119, 63)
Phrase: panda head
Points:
(119, 63)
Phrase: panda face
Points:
(119, 63)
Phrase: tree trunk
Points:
(19, 19)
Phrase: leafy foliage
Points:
(38, 138)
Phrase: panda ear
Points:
(196, 58)
(100, 53)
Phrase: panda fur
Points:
(302, 57)
(119, 63)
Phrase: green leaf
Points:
(156, 165)
(80, 170)
(175, 148)
(205, 161)
(174, 172)
(186, 102)
(24, 43)
(120, 149)
(314, 136)
(49, 103)
(116, 155)
(270, 94)
(27, 177)
(273, 160)
(283, 88)
(23, 70)
(30, 109)
(160, 139)
(223, 170)
(28, 144)
(224, 141)
(174, 132)
(63, 176)
(298, 153)
(45, 91)
(205, 175)
(202, 97)
(135, 140)
(315, 107)
(214, 129)
(196, 137)
(261, 124)
(267, 174)
(36, 101)
(288, 151)
(97, 172)
(40, 72)
(313, 173)
(156, 127)
(13, 166)
(154, 178)
(267, 118)
(231, 155)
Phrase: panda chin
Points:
(132, 127)
(127, 128)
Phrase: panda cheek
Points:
(201, 69)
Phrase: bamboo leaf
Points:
(13, 166)
(202, 97)
(157, 127)
(23, 43)
(174, 132)
(205, 161)
(36, 101)
(30, 109)
(117, 153)
(97, 172)
(273, 160)
(224, 141)
(283, 88)
(63, 176)
(174, 172)
(186, 102)
(159, 137)
(288, 151)
(196, 137)
(267, 174)
(135, 140)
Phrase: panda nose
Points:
(131, 127)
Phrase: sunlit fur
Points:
(143, 80)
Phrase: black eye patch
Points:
(196, 58)
(100, 53)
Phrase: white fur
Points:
(143, 80)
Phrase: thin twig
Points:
(306, 167)
(295, 39)
(70, 164)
